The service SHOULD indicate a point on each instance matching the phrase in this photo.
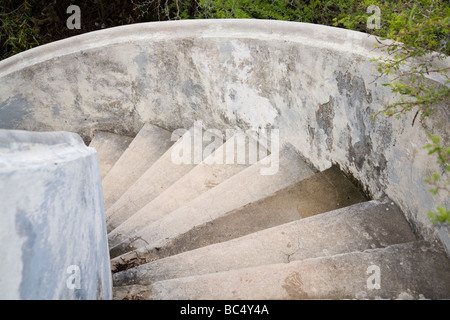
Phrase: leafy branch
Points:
(16, 28)
(415, 36)
(412, 60)
(441, 215)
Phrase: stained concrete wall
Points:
(316, 84)
(53, 239)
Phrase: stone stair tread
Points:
(362, 226)
(162, 174)
(200, 179)
(109, 146)
(414, 270)
(299, 200)
(220, 200)
(148, 145)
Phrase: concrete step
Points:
(243, 188)
(155, 180)
(110, 147)
(149, 144)
(366, 225)
(206, 175)
(299, 200)
(415, 270)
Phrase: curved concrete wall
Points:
(316, 84)
(53, 239)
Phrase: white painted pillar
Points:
(53, 239)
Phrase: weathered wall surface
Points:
(53, 239)
(314, 83)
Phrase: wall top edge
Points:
(306, 34)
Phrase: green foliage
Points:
(245, 9)
(420, 33)
(437, 182)
(414, 34)
(440, 216)
(16, 28)
(443, 154)
(419, 24)
(312, 11)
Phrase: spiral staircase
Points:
(342, 214)
(224, 231)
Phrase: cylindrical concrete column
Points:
(53, 239)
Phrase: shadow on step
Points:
(325, 191)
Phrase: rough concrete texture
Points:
(132, 292)
(218, 201)
(415, 270)
(299, 200)
(317, 84)
(109, 147)
(53, 240)
(161, 175)
(146, 148)
(202, 178)
(367, 225)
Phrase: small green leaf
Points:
(435, 139)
